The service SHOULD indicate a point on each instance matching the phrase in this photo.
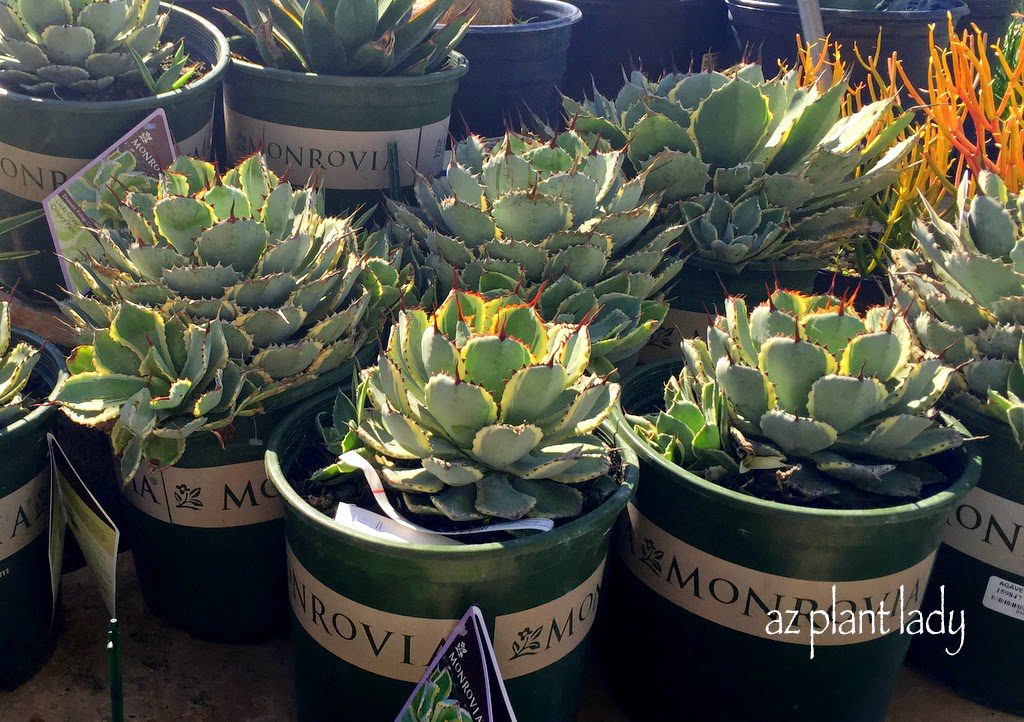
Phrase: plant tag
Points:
(462, 682)
(58, 521)
(1005, 597)
(354, 459)
(83, 200)
(93, 528)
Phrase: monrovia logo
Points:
(33, 176)
(342, 159)
(211, 497)
(988, 527)
(24, 514)
(535, 638)
(747, 600)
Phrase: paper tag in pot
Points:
(340, 159)
(211, 497)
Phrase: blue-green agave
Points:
(809, 392)
(74, 48)
(555, 221)
(964, 284)
(759, 170)
(351, 37)
(244, 276)
(481, 409)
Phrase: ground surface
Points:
(170, 676)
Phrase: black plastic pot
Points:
(28, 625)
(698, 570)
(514, 69)
(768, 30)
(657, 35)
(44, 142)
(980, 570)
(866, 292)
(992, 16)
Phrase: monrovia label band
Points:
(209, 497)
(390, 645)
(24, 514)
(536, 638)
(749, 600)
(988, 527)
(342, 159)
(33, 176)
(400, 647)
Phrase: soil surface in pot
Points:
(353, 489)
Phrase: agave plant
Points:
(555, 221)
(241, 258)
(432, 703)
(74, 48)
(351, 37)
(759, 170)
(155, 381)
(965, 285)
(16, 363)
(481, 409)
(813, 395)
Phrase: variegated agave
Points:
(75, 48)
(817, 402)
(965, 287)
(245, 259)
(17, 359)
(351, 37)
(554, 221)
(155, 381)
(481, 409)
(759, 170)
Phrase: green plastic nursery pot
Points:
(699, 570)
(28, 626)
(44, 142)
(700, 289)
(981, 571)
(207, 534)
(337, 129)
(368, 615)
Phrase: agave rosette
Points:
(552, 220)
(351, 37)
(482, 410)
(241, 266)
(17, 360)
(759, 170)
(85, 47)
(965, 286)
(817, 400)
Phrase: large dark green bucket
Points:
(208, 534)
(698, 294)
(27, 624)
(368, 615)
(337, 129)
(44, 142)
(695, 576)
(980, 569)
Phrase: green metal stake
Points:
(114, 672)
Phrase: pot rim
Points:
(214, 76)
(783, 266)
(458, 66)
(605, 514)
(959, 9)
(788, 512)
(43, 411)
(568, 15)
